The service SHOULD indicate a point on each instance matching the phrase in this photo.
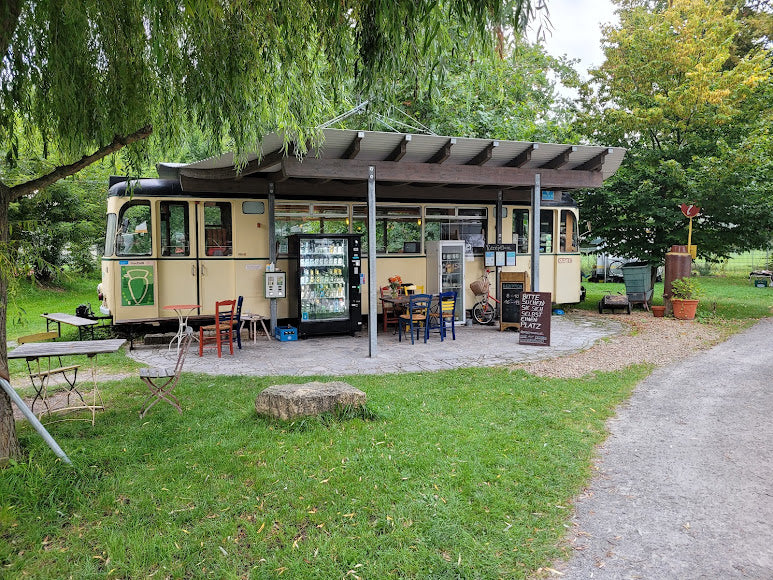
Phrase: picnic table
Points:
(77, 321)
(38, 351)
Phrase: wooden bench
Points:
(77, 321)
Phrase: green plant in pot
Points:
(684, 297)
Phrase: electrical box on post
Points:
(276, 286)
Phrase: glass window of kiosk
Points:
(174, 229)
(521, 230)
(133, 235)
(570, 235)
(305, 218)
(458, 223)
(546, 217)
(398, 228)
(218, 239)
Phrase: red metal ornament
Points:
(690, 210)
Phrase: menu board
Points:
(536, 308)
(511, 303)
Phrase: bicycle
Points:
(484, 311)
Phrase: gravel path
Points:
(683, 487)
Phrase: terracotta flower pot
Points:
(684, 309)
(658, 311)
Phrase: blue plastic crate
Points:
(286, 333)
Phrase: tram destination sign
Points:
(535, 318)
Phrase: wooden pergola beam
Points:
(524, 157)
(443, 153)
(596, 163)
(354, 147)
(417, 173)
(399, 151)
(559, 160)
(484, 155)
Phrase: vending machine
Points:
(323, 283)
(445, 271)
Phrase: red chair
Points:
(389, 314)
(221, 331)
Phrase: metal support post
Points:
(372, 297)
(271, 248)
(535, 229)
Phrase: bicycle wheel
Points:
(483, 312)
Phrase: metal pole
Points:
(271, 248)
(372, 316)
(30, 416)
(535, 229)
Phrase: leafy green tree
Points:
(89, 78)
(693, 107)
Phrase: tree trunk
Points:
(9, 443)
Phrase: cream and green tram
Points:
(166, 247)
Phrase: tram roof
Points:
(407, 167)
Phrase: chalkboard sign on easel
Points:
(511, 286)
(536, 308)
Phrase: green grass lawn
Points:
(458, 474)
(724, 299)
(461, 474)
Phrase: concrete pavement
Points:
(346, 355)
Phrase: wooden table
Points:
(36, 351)
(183, 311)
(79, 322)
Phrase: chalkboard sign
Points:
(510, 313)
(536, 308)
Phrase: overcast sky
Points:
(576, 30)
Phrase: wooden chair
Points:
(415, 317)
(442, 314)
(221, 331)
(162, 391)
(388, 313)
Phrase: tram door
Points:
(178, 270)
(214, 226)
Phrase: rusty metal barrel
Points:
(678, 265)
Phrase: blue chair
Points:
(442, 314)
(238, 321)
(415, 317)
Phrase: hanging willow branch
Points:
(118, 142)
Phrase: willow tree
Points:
(88, 78)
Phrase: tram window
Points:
(218, 240)
(133, 236)
(398, 228)
(569, 233)
(546, 231)
(174, 229)
(468, 224)
(295, 218)
(112, 220)
(521, 230)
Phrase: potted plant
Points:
(684, 297)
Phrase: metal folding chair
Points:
(161, 381)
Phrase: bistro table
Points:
(401, 302)
(37, 351)
(183, 311)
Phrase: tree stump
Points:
(303, 400)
